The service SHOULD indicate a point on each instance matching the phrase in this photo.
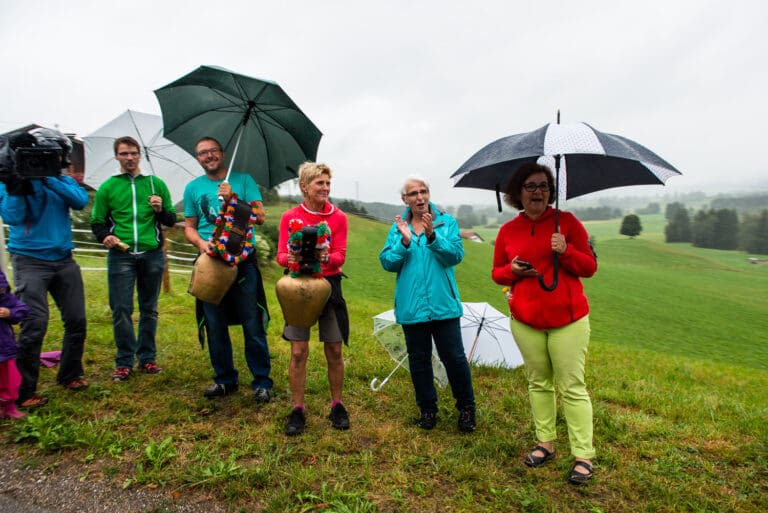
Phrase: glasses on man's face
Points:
(205, 153)
(413, 194)
(532, 186)
(128, 154)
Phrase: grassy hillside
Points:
(678, 370)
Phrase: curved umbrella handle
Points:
(555, 259)
(555, 269)
(376, 387)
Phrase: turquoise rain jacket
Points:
(425, 288)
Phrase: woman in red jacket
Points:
(551, 328)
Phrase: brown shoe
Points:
(35, 401)
(76, 384)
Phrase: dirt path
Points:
(69, 489)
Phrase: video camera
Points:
(38, 153)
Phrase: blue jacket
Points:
(40, 225)
(425, 289)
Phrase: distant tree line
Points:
(717, 228)
(597, 213)
(742, 203)
(650, 209)
(351, 207)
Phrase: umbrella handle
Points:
(555, 259)
(555, 269)
(226, 180)
(477, 337)
(374, 381)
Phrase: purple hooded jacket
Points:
(18, 310)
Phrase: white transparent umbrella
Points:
(159, 156)
(390, 335)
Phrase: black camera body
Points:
(38, 153)
(38, 162)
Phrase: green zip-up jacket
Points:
(122, 209)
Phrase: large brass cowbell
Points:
(303, 298)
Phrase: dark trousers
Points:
(243, 299)
(144, 272)
(447, 337)
(34, 279)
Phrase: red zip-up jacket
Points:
(530, 240)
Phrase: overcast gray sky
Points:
(402, 87)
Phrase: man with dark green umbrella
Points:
(245, 298)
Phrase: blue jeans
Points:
(242, 300)
(144, 272)
(450, 349)
(34, 279)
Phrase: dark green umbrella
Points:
(264, 133)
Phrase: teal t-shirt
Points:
(201, 199)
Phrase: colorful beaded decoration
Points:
(294, 245)
(219, 245)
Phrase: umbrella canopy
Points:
(592, 160)
(487, 337)
(264, 133)
(159, 156)
(390, 335)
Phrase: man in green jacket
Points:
(127, 213)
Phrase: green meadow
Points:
(678, 372)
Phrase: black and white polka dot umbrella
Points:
(593, 160)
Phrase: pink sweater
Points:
(337, 222)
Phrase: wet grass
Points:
(678, 369)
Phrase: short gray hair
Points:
(413, 179)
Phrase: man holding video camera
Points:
(35, 200)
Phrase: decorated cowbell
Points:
(303, 292)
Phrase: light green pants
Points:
(557, 357)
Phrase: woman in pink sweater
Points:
(333, 325)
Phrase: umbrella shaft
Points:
(234, 152)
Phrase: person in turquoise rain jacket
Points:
(422, 247)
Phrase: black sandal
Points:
(536, 461)
(578, 478)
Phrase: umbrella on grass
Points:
(487, 338)
(263, 132)
(390, 335)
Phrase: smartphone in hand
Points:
(522, 263)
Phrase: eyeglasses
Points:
(128, 154)
(413, 194)
(532, 186)
(203, 153)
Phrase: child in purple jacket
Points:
(12, 311)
